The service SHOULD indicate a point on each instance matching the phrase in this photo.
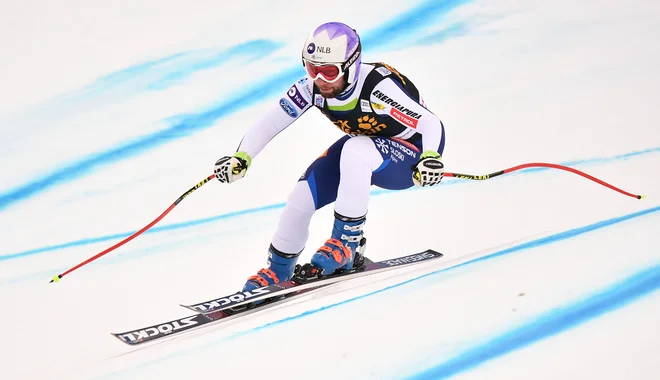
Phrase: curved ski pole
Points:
(541, 165)
(184, 195)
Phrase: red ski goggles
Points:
(329, 72)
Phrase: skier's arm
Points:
(288, 108)
(393, 100)
(278, 117)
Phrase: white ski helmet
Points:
(332, 50)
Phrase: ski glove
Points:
(429, 170)
(232, 168)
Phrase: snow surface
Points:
(111, 110)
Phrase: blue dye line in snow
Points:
(454, 30)
(168, 227)
(162, 73)
(386, 36)
(196, 222)
(546, 325)
(549, 324)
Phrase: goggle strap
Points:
(351, 60)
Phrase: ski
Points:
(281, 293)
(240, 299)
(197, 321)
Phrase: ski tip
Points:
(642, 196)
(56, 278)
(188, 307)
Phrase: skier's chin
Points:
(330, 93)
(330, 90)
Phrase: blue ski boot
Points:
(341, 249)
(280, 268)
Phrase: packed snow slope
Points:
(109, 111)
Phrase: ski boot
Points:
(343, 252)
(280, 268)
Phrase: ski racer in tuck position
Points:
(392, 141)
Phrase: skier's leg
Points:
(382, 161)
(359, 158)
(293, 227)
(315, 189)
(289, 239)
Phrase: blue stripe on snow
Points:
(611, 298)
(387, 36)
(255, 210)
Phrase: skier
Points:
(392, 141)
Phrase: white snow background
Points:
(109, 111)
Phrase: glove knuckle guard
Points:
(428, 172)
(230, 168)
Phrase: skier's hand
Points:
(232, 168)
(429, 170)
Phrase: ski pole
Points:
(446, 174)
(541, 165)
(59, 276)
